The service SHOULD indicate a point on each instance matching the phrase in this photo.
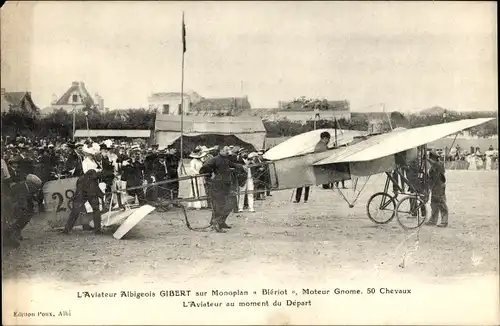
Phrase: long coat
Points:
(223, 201)
(437, 179)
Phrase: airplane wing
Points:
(397, 141)
(305, 142)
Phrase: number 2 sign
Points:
(59, 195)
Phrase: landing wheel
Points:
(381, 208)
(158, 198)
(411, 212)
(160, 207)
(161, 204)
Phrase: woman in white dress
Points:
(471, 159)
(197, 186)
(488, 160)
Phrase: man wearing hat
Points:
(25, 163)
(172, 161)
(222, 186)
(151, 165)
(74, 161)
(107, 174)
(46, 164)
(437, 181)
(45, 168)
(21, 206)
(14, 168)
(133, 175)
(160, 173)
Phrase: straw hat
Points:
(198, 153)
(88, 150)
(235, 149)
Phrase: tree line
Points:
(60, 123)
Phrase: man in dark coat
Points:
(107, 174)
(223, 186)
(172, 161)
(263, 176)
(133, 174)
(46, 165)
(151, 161)
(437, 181)
(14, 168)
(44, 168)
(26, 164)
(87, 189)
(161, 174)
(74, 161)
(20, 207)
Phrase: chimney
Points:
(75, 83)
(3, 91)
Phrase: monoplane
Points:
(400, 154)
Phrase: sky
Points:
(407, 55)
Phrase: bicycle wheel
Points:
(381, 208)
(411, 212)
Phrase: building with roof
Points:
(194, 104)
(170, 103)
(18, 101)
(76, 97)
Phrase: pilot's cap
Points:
(34, 180)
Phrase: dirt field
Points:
(315, 241)
(322, 234)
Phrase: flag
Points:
(183, 35)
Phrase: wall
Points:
(173, 102)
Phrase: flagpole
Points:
(74, 121)
(87, 120)
(182, 90)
